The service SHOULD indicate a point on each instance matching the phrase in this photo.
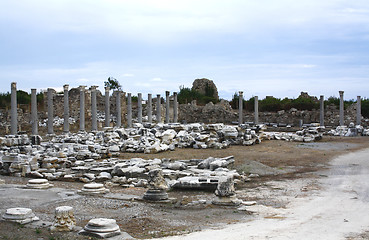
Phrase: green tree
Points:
(113, 83)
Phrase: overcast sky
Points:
(262, 47)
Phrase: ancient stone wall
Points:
(221, 113)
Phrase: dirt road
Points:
(337, 209)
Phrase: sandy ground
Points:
(299, 195)
(337, 209)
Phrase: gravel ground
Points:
(275, 162)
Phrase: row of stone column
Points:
(149, 108)
(256, 107)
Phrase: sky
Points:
(263, 48)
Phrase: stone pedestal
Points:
(64, 220)
(155, 195)
(20, 215)
(93, 189)
(38, 184)
(101, 228)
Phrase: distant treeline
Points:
(22, 98)
(272, 104)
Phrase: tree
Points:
(113, 83)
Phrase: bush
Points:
(186, 95)
(302, 103)
(365, 108)
(270, 104)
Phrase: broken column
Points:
(321, 110)
(157, 186)
(13, 110)
(341, 109)
(358, 111)
(107, 107)
(101, 228)
(225, 192)
(158, 108)
(240, 107)
(175, 107)
(167, 106)
(129, 110)
(66, 109)
(64, 220)
(50, 111)
(256, 110)
(139, 105)
(82, 108)
(149, 107)
(93, 109)
(119, 109)
(34, 112)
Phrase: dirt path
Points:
(338, 211)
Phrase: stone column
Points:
(93, 109)
(167, 104)
(342, 122)
(358, 111)
(149, 107)
(321, 110)
(175, 107)
(107, 107)
(82, 108)
(50, 112)
(129, 110)
(256, 109)
(119, 109)
(13, 110)
(66, 109)
(34, 112)
(158, 108)
(240, 107)
(139, 105)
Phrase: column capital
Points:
(341, 93)
(82, 87)
(167, 93)
(66, 86)
(240, 92)
(107, 89)
(94, 87)
(13, 85)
